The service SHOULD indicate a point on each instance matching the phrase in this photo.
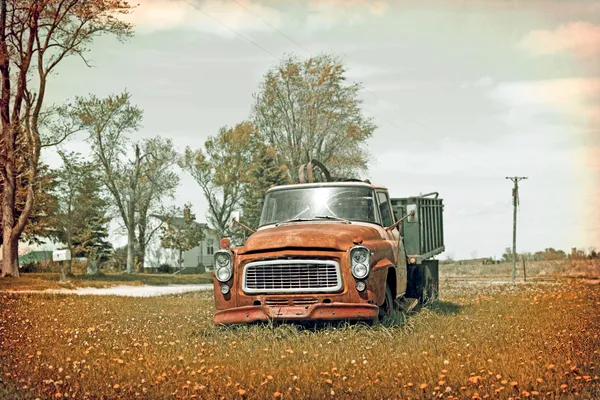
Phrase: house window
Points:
(210, 247)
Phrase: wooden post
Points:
(515, 195)
(524, 272)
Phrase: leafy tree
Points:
(550, 254)
(109, 122)
(507, 255)
(118, 259)
(138, 176)
(82, 221)
(306, 109)
(263, 174)
(159, 183)
(36, 36)
(41, 222)
(222, 169)
(93, 242)
(70, 182)
(181, 233)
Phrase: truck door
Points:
(393, 236)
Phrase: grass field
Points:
(42, 281)
(482, 340)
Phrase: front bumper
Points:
(315, 312)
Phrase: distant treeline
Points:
(546, 255)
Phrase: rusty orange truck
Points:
(334, 250)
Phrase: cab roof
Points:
(327, 184)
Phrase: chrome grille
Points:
(292, 276)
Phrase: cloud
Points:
(361, 71)
(325, 14)
(247, 16)
(160, 15)
(481, 83)
(578, 98)
(579, 38)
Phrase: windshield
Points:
(331, 202)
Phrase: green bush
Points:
(165, 269)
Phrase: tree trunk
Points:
(10, 260)
(130, 250)
(69, 271)
(180, 261)
(141, 247)
(10, 247)
(10, 266)
(15, 249)
(130, 235)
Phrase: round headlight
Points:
(222, 259)
(360, 271)
(224, 289)
(360, 260)
(359, 256)
(361, 286)
(223, 274)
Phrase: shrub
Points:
(165, 268)
(29, 267)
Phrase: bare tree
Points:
(35, 37)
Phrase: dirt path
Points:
(124, 290)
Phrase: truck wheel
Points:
(429, 288)
(387, 308)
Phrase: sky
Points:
(464, 94)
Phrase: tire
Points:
(429, 290)
(387, 308)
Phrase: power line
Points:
(272, 27)
(401, 113)
(259, 46)
(303, 48)
(230, 28)
(515, 195)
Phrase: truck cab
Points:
(323, 251)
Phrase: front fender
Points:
(377, 280)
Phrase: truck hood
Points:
(325, 235)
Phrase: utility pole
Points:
(515, 195)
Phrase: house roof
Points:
(179, 221)
(35, 256)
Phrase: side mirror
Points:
(415, 216)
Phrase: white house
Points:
(197, 260)
(203, 255)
